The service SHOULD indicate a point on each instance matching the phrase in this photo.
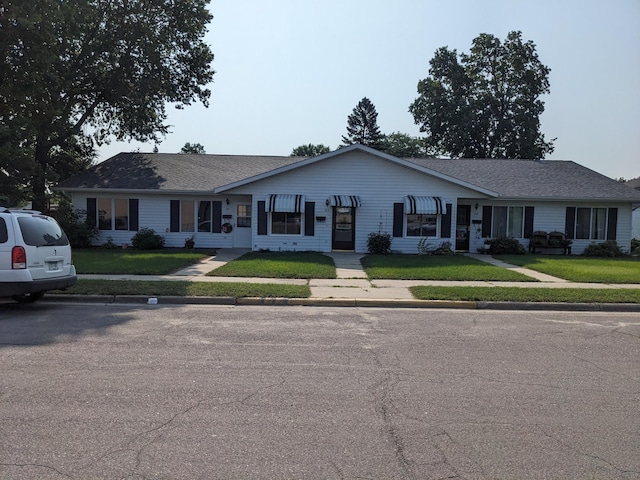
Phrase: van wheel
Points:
(28, 298)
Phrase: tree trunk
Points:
(39, 181)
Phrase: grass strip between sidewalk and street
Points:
(527, 294)
(278, 265)
(182, 288)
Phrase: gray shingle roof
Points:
(513, 179)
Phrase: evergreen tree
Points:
(362, 126)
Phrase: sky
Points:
(290, 72)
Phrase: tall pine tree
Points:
(362, 126)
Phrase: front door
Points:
(242, 231)
(463, 222)
(344, 222)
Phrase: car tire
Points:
(29, 297)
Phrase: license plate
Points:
(52, 266)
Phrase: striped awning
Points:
(285, 203)
(344, 201)
(425, 205)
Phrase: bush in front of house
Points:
(147, 239)
(79, 232)
(635, 246)
(504, 246)
(610, 248)
(379, 243)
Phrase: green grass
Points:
(435, 267)
(517, 294)
(581, 269)
(182, 288)
(278, 265)
(134, 262)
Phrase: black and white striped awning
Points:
(285, 203)
(344, 201)
(414, 204)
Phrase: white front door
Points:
(242, 226)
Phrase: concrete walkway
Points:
(352, 282)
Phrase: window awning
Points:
(344, 201)
(425, 205)
(285, 203)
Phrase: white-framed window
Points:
(591, 223)
(113, 213)
(422, 225)
(286, 223)
(508, 222)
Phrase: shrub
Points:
(635, 246)
(609, 248)
(79, 232)
(379, 243)
(147, 239)
(504, 246)
(425, 248)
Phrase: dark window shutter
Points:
(487, 210)
(445, 223)
(309, 218)
(262, 217)
(133, 214)
(92, 207)
(216, 216)
(528, 222)
(174, 222)
(612, 224)
(570, 223)
(398, 219)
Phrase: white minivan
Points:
(35, 255)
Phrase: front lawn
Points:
(278, 265)
(581, 269)
(436, 267)
(134, 262)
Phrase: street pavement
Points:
(352, 287)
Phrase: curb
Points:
(342, 302)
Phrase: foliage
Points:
(310, 150)
(610, 248)
(404, 146)
(379, 243)
(362, 126)
(504, 246)
(109, 244)
(194, 148)
(635, 246)
(432, 267)
(278, 265)
(80, 67)
(425, 248)
(120, 261)
(485, 104)
(147, 239)
(73, 222)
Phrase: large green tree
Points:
(310, 150)
(196, 148)
(405, 146)
(362, 126)
(485, 104)
(104, 68)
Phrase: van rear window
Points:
(4, 235)
(40, 231)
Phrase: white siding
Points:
(379, 184)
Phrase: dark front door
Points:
(344, 222)
(462, 227)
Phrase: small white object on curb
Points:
(152, 301)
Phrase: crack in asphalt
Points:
(37, 465)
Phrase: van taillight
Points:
(18, 258)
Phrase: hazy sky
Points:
(289, 72)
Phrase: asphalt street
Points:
(207, 392)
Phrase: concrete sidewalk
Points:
(352, 282)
